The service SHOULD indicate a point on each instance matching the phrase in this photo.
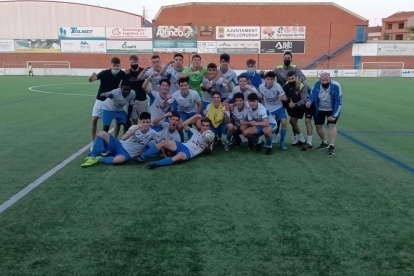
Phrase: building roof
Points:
(376, 29)
(79, 4)
(399, 16)
(259, 4)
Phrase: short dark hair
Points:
(252, 97)
(206, 119)
(126, 83)
(167, 81)
(242, 76)
(211, 66)
(270, 74)
(239, 95)
(133, 57)
(178, 55)
(225, 57)
(288, 54)
(215, 93)
(115, 60)
(250, 61)
(145, 116)
(291, 74)
(196, 56)
(155, 56)
(175, 114)
(182, 80)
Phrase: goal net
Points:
(381, 69)
(49, 68)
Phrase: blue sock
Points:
(107, 160)
(229, 135)
(150, 152)
(282, 136)
(269, 142)
(181, 132)
(164, 162)
(98, 146)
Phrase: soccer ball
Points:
(208, 136)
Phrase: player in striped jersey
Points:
(238, 113)
(259, 122)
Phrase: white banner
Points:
(310, 73)
(83, 46)
(283, 32)
(128, 47)
(7, 45)
(126, 33)
(370, 73)
(238, 33)
(207, 47)
(397, 49)
(407, 73)
(364, 49)
(348, 73)
(97, 33)
(238, 47)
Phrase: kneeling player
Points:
(133, 142)
(214, 111)
(238, 113)
(182, 151)
(260, 122)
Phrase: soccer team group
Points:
(212, 105)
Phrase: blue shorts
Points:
(260, 129)
(174, 106)
(279, 114)
(204, 105)
(185, 116)
(220, 130)
(182, 148)
(119, 116)
(115, 148)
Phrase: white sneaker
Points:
(294, 140)
(244, 139)
(92, 146)
(276, 139)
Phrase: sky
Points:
(373, 10)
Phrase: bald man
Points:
(326, 97)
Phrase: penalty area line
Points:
(15, 198)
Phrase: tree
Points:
(411, 35)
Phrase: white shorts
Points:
(97, 109)
(139, 107)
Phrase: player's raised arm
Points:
(158, 121)
(93, 77)
(148, 81)
(130, 131)
(193, 120)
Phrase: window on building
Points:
(400, 25)
(389, 26)
(399, 37)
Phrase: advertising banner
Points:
(128, 47)
(390, 72)
(83, 46)
(238, 47)
(281, 46)
(37, 45)
(207, 47)
(283, 32)
(365, 49)
(238, 32)
(369, 73)
(206, 30)
(407, 73)
(396, 49)
(7, 45)
(175, 32)
(348, 73)
(89, 33)
(175, 46)
(124, 33)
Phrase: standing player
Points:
(133, 142)
(244, 88)
(216, 113)
(273, 95)
(260, 122)
(132, 74)
(174, 71)
(157, 99)
(113, 107)
(238, 112)
(327, 98)
(182, 151)
(110, 80)
(208, 89)
(253, 77)
(296, 97)
(30, 68)
(158, 69)
(281, 71)
(188, 103)
(195, 73)
(228, 74)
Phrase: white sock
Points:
(301, 138)
(310, 140)
(325, 141)
(332, 145)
